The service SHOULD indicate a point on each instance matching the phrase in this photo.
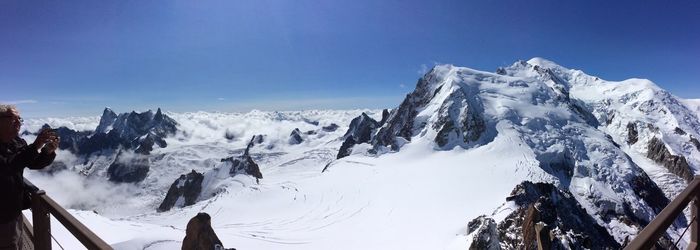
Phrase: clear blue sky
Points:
(63, 58)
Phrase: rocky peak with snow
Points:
(183, 192)
(244, 164)
(131, 131)
(106, 121)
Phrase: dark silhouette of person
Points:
(15, 155)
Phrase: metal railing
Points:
(42, 209)
(657, 227)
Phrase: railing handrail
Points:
(42, 206)
(658, 226)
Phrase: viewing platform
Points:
(38, 235)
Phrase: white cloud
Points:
(220, 98)
(17, 102)
(423, 69)
(402, 85)
(283, 104)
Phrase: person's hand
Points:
(51, 146)
(44, 136)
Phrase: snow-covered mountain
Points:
(469, 159)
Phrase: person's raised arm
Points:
(47, 155)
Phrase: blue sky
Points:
(60, 58)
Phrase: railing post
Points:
(42, 222)
(694, 226)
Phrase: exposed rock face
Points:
(199, 235)
(312, 122)
(399, 124)
(581, 109)
(650, 193)
(185, 189)
(695, 142)
(136, 131)
(632, 134)
(130, 131)
(458, 119)
(486, 234)
(361, 128)
(146, 145)
(70, 139)
(385, 116)
(679, 131)
(106, 121)
(454, 110)
(295, 137)
(400, 121)
(129, 168)
(330, 128)
(678, 165)
(244, 164)
(229, 135)
(360, 131)
(543, 213)
(346, 148)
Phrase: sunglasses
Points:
(15, 120)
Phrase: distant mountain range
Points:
(584, 161)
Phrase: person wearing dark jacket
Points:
(15, 155)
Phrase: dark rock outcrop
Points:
(582, 110)
(399, 122)
(330, 128)
(346, 148)
(501, 71)
(360, 131)
(657, 151)
(632, 134)
(106, 121)
(128, 168)
(188, 187)
(70, 139)
(486, 233)
(146, 145)
(295, 137)
(128, 131)
(385, 116)
(460, 120)
(546, 216)
(229, 135)
(199, 234)
(312, 122)
(361, 128)
(695, 142)
(679, 131)
(244, 164)
(650, 193)
(136, 131)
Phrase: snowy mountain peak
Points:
(544, 63)
(572, 122)
(106, 120)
